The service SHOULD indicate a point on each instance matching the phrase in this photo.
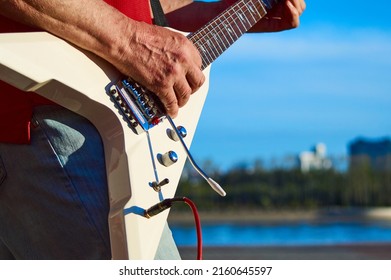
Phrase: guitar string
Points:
(206, 31)
(239, 28)
(229, 17)
(228, 12)
(232, 8)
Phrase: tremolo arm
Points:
(143, 110)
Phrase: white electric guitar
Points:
(144, 150)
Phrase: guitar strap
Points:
(158, 14)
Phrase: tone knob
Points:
(182, 132)
(168, 158)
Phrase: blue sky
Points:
(277, 94)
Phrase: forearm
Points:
(68, 20)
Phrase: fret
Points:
(201, 42)
(229, 30)
(254, 11)
(221, 32)
(212, 44)
(206, 59)
(251, 12)
(249, 17)
(240, 21)
(205, 54)
(212, 50)
(219, 35)
(236, 28)
(213, 37)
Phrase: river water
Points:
(289, 234)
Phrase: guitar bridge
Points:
(139, 106)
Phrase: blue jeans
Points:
(53, 193)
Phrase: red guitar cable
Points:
(167, 203)
(198, 226)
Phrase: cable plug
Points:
(158, 208)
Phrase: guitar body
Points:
(78, 80)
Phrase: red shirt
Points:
(16, 106)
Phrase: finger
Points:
(303, 5)
(299, 5)
(170, 102)
(195, 79)
(295, 15)
(182, 92)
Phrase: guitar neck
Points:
(221, 32)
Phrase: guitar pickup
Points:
(139, 106)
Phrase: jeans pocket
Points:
(3, 173)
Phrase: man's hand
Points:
(163, 61)
(282, 17)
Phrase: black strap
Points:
(158, 14)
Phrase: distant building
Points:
(315, 159)
(374, 153)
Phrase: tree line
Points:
(281, 188)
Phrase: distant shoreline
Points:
(284, 216)
(375, 251)
(354, 251)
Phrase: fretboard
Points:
(221, 32)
